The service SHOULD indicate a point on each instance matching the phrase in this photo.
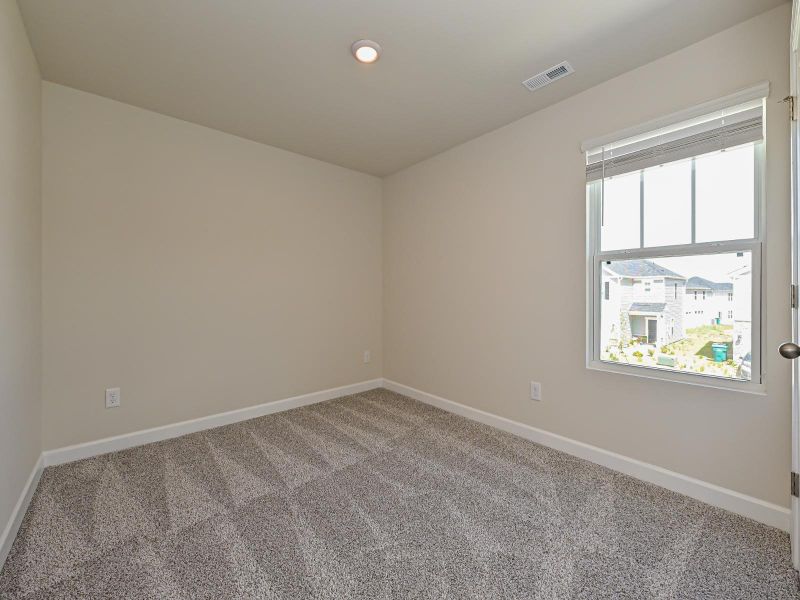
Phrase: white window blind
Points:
(718, 130)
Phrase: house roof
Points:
(698, 283)
(641, 268)
(648, 307)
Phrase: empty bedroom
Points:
(399, 299)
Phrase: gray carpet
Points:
(376, 496)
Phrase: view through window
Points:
(687, 313)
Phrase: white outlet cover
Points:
(536, 390)
(367, 356)
(113, 397)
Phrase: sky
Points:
(713, 267)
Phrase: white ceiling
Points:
(280, 71)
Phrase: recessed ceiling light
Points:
(366, 51)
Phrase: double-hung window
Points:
(671, 210)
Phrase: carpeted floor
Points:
(376, 496)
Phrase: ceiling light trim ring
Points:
(366, 51)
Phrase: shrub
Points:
(651, 352)
(638, 354)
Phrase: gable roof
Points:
(640, 268)
(698, 283)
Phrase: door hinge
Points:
(795, 484)
(790, 101)
(793, 295)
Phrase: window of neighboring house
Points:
(607, 291)
(671, 204)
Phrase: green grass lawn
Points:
(698, 341)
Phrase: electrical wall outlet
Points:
(367, 356)
(113, 398)
(536, 390)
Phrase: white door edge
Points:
(794, 77)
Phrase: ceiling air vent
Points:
(546, 77)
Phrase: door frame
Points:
(648, 320)
(794, 82)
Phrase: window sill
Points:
(707, 381)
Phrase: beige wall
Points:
(484, 275)
(20, 264)
(197, 271)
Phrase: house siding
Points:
(742, 325)
(704, 311)
(673, 313)
(626, 299)
(624, 292)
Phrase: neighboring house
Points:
(742, 317)
(707, 303)
(641, 300)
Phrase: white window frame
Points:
(755, 246)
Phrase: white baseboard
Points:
(747, 506)
(10, 531)
(157, 434)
